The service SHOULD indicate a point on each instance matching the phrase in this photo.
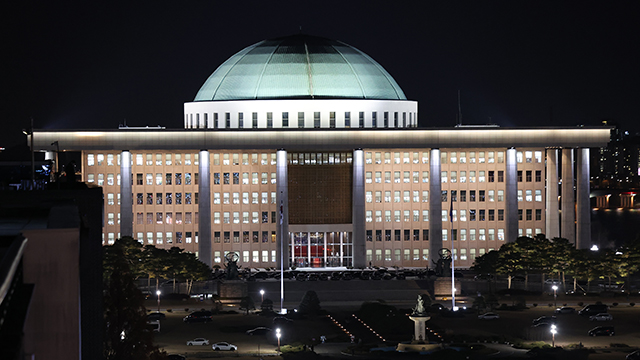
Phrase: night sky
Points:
(93, 64)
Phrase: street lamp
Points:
(158, 293)
(278, 334)
(555, 295)
(262, 295)
(553, 335)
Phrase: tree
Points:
(127, 336)
(509, 261)
(310, 303)
(246, 304)
(479, 304)
(130, 250)
(155, 263)
(267, 305)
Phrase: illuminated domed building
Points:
(309, 144)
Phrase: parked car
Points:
(435, 307)
(633, 356)
(544, 320)
(593, 309)
(261, 330)
(198, 341)
(154, 325)
(280, 320)
(484, 277)
(601, 317)
(565, 310)
(602, 331)
(224, 346)
(518, 278)
(198, 316)
(552, 281)
(489, 316)
(156, 316)
(176, 357)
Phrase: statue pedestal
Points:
(232, 290)
(442, 287)
(420, 328)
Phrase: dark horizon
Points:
(95, 66)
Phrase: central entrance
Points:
(320, 246)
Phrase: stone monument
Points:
(232, 289)
(420, 341)
(442, 284)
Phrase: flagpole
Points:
(282, 239)
(453, 277)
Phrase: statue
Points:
(419, 310)
(232, 265)
(443, 266)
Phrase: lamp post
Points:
(278, 334)
(158, 293)
(553, 335)
(555, 295)
(262, 295)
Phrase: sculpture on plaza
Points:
(420, 309)
(443, 265)
(232, 266)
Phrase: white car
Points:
(601, 317)
(198, 341)
(224, 346)
(489, 316)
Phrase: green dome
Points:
(300, 67)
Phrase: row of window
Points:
(247, 236)
(452, 176)
(257, 217)
(149, 199)
(417, 196)
(157, 237)
(143, 159)
(452, 157)
(165, 218)
(256, 198)
(386, 120)
(255, 256)
(417, 255)
(234, 178)
(473, 215)
(166, 179)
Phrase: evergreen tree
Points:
(310, 303)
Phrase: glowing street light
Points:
(553, 335)
(158, 293)
(555, 295)
(262, 295)
(278, 334)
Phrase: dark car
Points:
(602, 331)
(542, 320)
(156, 316)
(198, 316)
(435, 307)
(593, 309)
(484, 277)
(262, 275)
(176, 357)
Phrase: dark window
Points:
(463, 195)
(454, 234)
(425, 235)
(158, 198)
(481, 215)
(538, 176)
(481, 195)
(227, 236)
(520, 214)
(443, 197)
(378, 235)
(138, 179)
(387, 235)
(528, 175)
(407, 235)
(347, 119)
(254, 120)
(265, 217)
(472, 215)
(178, 198)
(149, 199)
(369, 235)
(236, 178)
(500, 214)
(139, 198)
(529, 214)
(492, 215)
(397, 235)
(273, 217)
(216, 237)
(416, 235)
(169, 199)
(519, 175)
(168, 178)
(255, 236)
(472, 195)
(361, 119)
(538, 214)
(216, 178)
(500, 176)
(454, 195)
(285, 119)
(491, 176)
(245, 236)
(225, 178)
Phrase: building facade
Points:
(305, 151)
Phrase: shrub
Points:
(186, 309)
(550, 305)
(535, 304)
(169, 310)
(615, 304)
(632, 304)
(580, 303)
(598, 302)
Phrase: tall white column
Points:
(552, 212)
(126, 195)
(583, 213)
(567, 228)
(204, 208)
(358, 219)
(282, 197)
(435, 208)
(511, 196)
